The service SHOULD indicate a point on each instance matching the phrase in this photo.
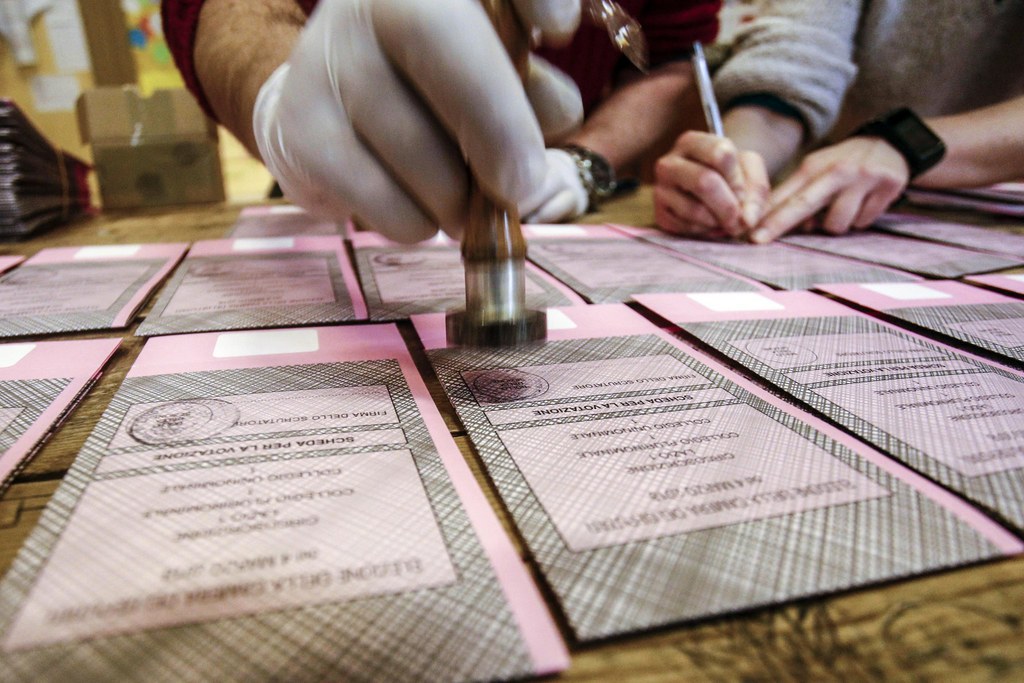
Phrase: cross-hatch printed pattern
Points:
(625, 587)
(459, 631)
(72, 321)
(968, 323)
(539, 294)
(967, 236)
(905, 253)
(30, 398)
(340, 310)
(633, 267)
(1000, 492)
(780, 266)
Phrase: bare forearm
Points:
(777, 138)
(984, 146)
(637, 116)
(238, 45)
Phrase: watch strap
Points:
(910, 136)
(596, 173)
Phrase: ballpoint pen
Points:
(750, 206)
(707, 92)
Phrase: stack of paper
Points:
(917, 256)
(959, 234)
(1005, 199)
(40, 185)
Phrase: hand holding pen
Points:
(706, 186)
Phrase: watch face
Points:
(596, 173)
(911, 137)
(917, 135)
(604, 177)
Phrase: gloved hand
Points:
(383, 103)
(561, 197)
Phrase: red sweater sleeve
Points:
(670, 27)
(180, 19)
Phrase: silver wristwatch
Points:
(596, 174)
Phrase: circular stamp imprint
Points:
(397, 259)
(506, 385)
(780, 354)
(177, 421)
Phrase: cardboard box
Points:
(153, 151)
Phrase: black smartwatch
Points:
(596, 174)
(910, 136)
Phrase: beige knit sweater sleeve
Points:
(801, 51)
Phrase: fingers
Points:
(862, 202)
(733, 185)
(555, 100)
(485, 109)
(856, 179)
(702, 185)
(757, 189)
(682, 214)
(797, 199)
(562, 197)
(409, 141)
(557, 209)
(844, 210)
(878, 202)
(330, 174)
(853, 197)
(717, 153)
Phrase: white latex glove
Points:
(383, 103)
(562, 196)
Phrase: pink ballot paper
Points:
(40, 383)
(978, 317)
(948, 414)
(969, 236)
(258, 282)
(1007, 282)
(654, 485)
(74, 289)
(905, 253)
(399, 280)
(606, 266)
(280, 220)
(274, 505)
(778, 265)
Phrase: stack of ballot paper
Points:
(1005, 199)
(40, 185)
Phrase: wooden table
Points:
(966, 624)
